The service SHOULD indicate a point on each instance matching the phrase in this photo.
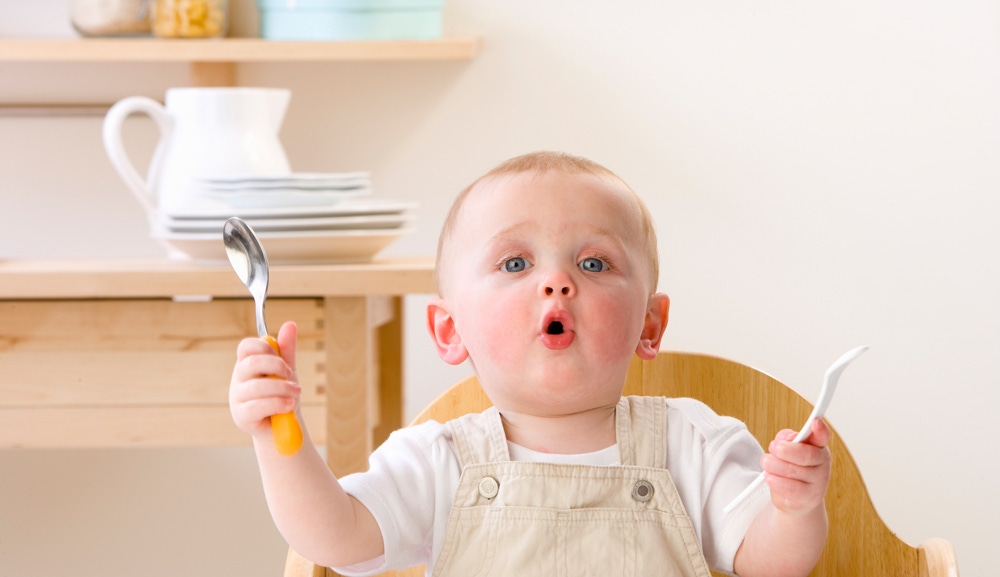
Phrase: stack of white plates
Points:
(298, 218)
(297, 189)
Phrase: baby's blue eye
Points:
(516, 264)
(593, 265)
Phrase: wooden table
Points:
(138, 353)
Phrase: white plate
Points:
(289, 247)
(283, 198)
(296, 178)
(382, 221)
(284, 186)
(317, 185)
(370, 206)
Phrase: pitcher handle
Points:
(112, 133)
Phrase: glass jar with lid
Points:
(190, 18)
(110, 17)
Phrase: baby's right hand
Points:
(263, 383)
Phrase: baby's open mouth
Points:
(558, 331)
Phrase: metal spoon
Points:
(250, 263)
(830, 380)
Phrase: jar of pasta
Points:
(189, 18)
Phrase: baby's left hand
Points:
(798, 473)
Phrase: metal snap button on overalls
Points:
(642, 491)
(488, 487)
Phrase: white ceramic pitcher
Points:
(204, 132)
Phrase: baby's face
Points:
(548, 284)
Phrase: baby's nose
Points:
(558, 283)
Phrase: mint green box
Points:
(350, 19)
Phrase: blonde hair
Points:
(544, 161)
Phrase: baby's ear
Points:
(441, 325)
(655, 323)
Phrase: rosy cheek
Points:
(622, 324)
(497, 327)
(500, 346)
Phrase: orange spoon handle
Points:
(285, 427)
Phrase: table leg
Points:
(364, 377)
(349, 378)
(390, 365)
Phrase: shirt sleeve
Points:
(402, 491)
(715, 459)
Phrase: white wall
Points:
(823, 175)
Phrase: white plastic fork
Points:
(825, 394)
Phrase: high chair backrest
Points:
(859, 544)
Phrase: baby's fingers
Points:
(251, 346)
(258, 364)
(797, 473)
(792, 495)
(786, 435)
(287, 341)
(253, 403)
(819, 434)
(255, 414)
(808, 467)
(264, 387)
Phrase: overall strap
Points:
(640, 424)
(479, 438)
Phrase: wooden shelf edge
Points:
(233, 50)
(162, 278)
(52, 110)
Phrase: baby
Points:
(547, 269)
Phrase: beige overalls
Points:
(521, 519)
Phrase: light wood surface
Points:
(213, 62)
(231, 50)
(213, 74)
(139, 353)
(937, 558)
(155, 278)
(859, 542)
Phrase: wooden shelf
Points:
(213, 62)
(232, 50)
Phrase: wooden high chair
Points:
(859, 543)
